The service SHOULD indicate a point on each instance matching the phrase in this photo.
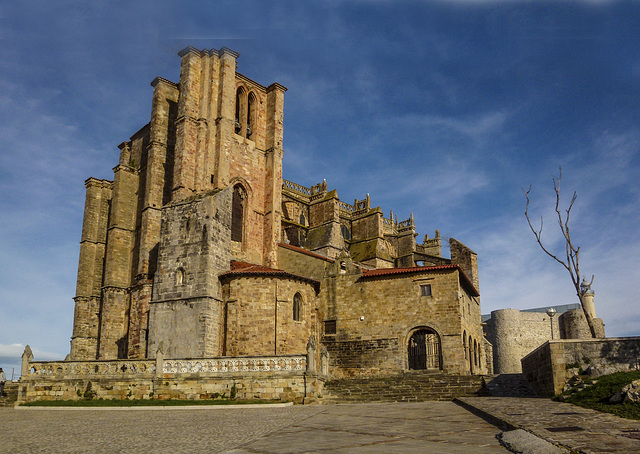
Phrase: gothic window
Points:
(297, 307)
(303, 220)
(238, 206)
(240, 109)
(251, 115)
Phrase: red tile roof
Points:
(381, 272)
(239, 269)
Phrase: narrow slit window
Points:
(297, 307)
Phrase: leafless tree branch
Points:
(571, 262)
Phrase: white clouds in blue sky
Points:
(441, 108)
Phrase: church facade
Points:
(198, 248)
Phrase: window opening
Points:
(240, 97)
(425, 290)
(237, 212)
(330, 327)
(297, 306)
(464, 343)
(251, 115)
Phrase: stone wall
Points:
(284, 378)
(301, 262)
(260, 316)
(364, 357)
(187, 312)
(546, 367)
(514, 334)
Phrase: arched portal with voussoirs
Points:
(424, 349)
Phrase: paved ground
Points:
(434, 427)
(574, 427)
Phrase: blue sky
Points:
(441, 108)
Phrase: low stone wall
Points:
(277, 377)
(545, 368)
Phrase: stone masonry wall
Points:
(545, 368)
(302, 263)
(140, 380)
(186, 315)
(260, 316)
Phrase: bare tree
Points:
(571, 261)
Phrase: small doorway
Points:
(424, 350)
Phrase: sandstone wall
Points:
(545, 368)
(260, 318)
(302, 262)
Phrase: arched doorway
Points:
(424, 350)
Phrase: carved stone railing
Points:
(406, 224)
(66, 368)
(159, 365)
(235, 364)
(345, 207)
(286, 184)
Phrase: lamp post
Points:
(551, 312)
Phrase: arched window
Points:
(238, 205)
(475, 353)
(297, 307)
(251, 114)
(464, 343)
(303, 220)
(240, 109)
(470, 354)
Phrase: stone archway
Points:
(424, 350)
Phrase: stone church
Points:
(198, 248)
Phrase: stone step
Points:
(407, 387)
(11, 391)
(509, 385)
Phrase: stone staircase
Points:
(11, 389)
(411, 386)
(509, 385)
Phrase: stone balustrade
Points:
(346, 207)
(97, 368)
(296, 187)
(44, 369)
(249, 364)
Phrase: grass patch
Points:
(597, 396)
(144, 402)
